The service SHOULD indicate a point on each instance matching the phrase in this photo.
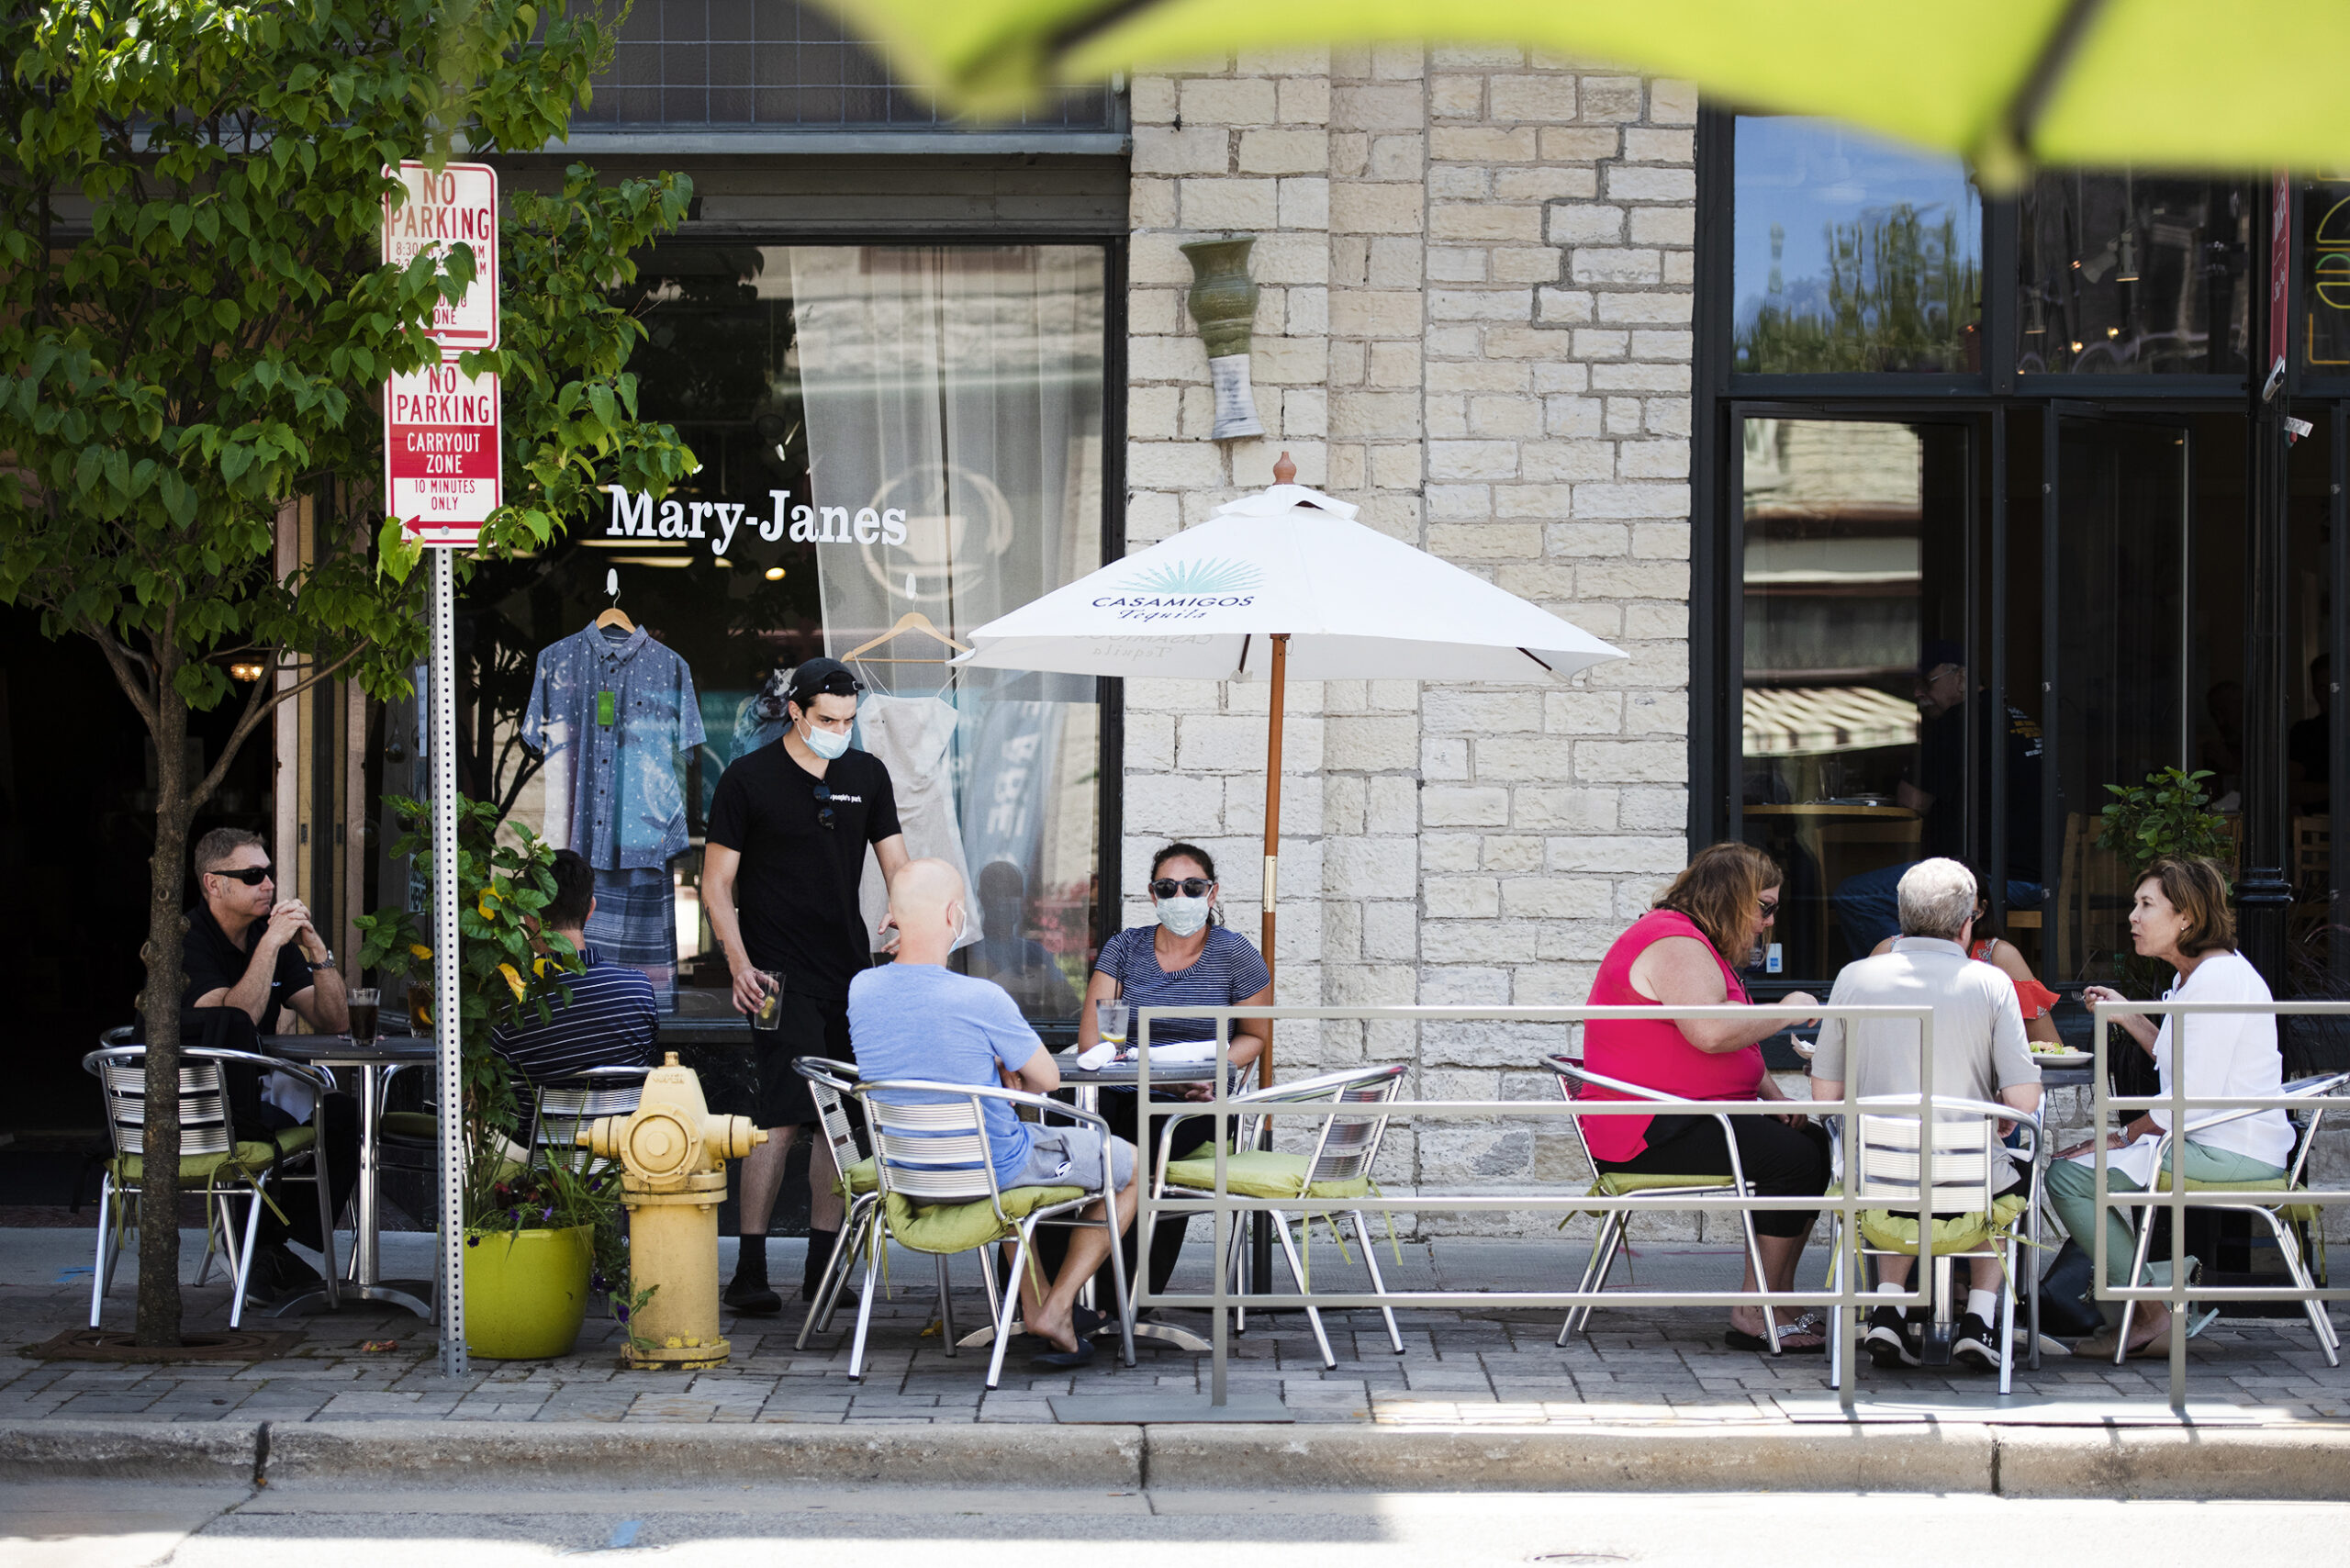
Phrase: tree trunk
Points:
(159, 1006)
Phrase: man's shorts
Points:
(1071, 1157)
(806, 1026)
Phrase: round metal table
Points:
(372, 1066)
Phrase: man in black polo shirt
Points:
(785, 852)
(247, 950)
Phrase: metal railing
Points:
(1844, 1302)
(2174, 1196)
(1227, 1206)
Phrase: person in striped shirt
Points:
(608, 1021)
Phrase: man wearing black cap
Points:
(789, 829)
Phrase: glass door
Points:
(2118, 656)
(1856, 544)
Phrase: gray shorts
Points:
(1071, 1157)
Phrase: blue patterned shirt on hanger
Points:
(613, 714)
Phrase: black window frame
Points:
(1996, 394)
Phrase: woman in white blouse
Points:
(2181, 916)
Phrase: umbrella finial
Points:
(1285, 471)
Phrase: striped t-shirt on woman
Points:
(1229, 972)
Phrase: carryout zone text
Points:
(638, 516)
(442, 469)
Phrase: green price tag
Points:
(605, 708)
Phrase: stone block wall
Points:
(1476, 271)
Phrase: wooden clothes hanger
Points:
(912, 621)
(615, 616)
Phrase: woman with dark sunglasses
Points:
(1187, 957)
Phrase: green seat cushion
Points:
(1259, 1174)
(415, 1126)
(857, 1179)
(958, 1227)
(1952, 1233)
(249, 1158)
(2298, 1213)
(1624, 1183)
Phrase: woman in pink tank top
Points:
(1674, 956)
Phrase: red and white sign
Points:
(456, 203)
(441, 471)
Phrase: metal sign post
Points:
(448, 1010)
(443, 476)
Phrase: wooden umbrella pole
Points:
(1273, 827)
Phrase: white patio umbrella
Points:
(1284, 582)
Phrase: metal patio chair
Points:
(1338, 1168)
(560, 1107)
(1969, 1222)
(936, 1193)
(828, 1081)
(2281, 1221)
(213, 1160)
(1655, 1192)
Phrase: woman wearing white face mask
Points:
(1187, 958)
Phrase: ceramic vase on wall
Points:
(1224, 302)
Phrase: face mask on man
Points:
(1182, 916)
(826, 743)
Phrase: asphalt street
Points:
(55, 1525)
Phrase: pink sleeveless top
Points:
(1654, 1054)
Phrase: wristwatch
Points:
(325, 963)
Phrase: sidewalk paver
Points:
(1461, 1368)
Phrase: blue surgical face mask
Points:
(826, 743)
(1182, 916)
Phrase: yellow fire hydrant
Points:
(673, 1155)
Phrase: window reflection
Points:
(1854, 574)
(2122, 273)
(1852, 253)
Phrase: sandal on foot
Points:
(1061, 1360)
(1808, 1324)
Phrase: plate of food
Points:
(2059, 1055)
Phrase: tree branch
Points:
(265, 699)
(125, 672)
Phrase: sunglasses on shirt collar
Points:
(1190, 887)
(824, 807)
(252, 876)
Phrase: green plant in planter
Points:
(511, 970)
(2166, 815)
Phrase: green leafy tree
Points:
(195, 327)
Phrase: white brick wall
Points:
(1474, 324)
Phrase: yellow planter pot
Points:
(526, 1291)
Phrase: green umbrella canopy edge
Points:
(2187, 84)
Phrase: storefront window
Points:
(2325, 278)
(1855, 669)
(897, 445)
(1852, 253)
(2122, 273)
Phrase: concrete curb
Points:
(2267, 1463)
(2277, 1464)
(548, 1455)
(1730, 1458)
(179, 1453)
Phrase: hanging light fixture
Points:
(2128, 270)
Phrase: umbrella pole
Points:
(1261, 1251)
(1272, 828)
